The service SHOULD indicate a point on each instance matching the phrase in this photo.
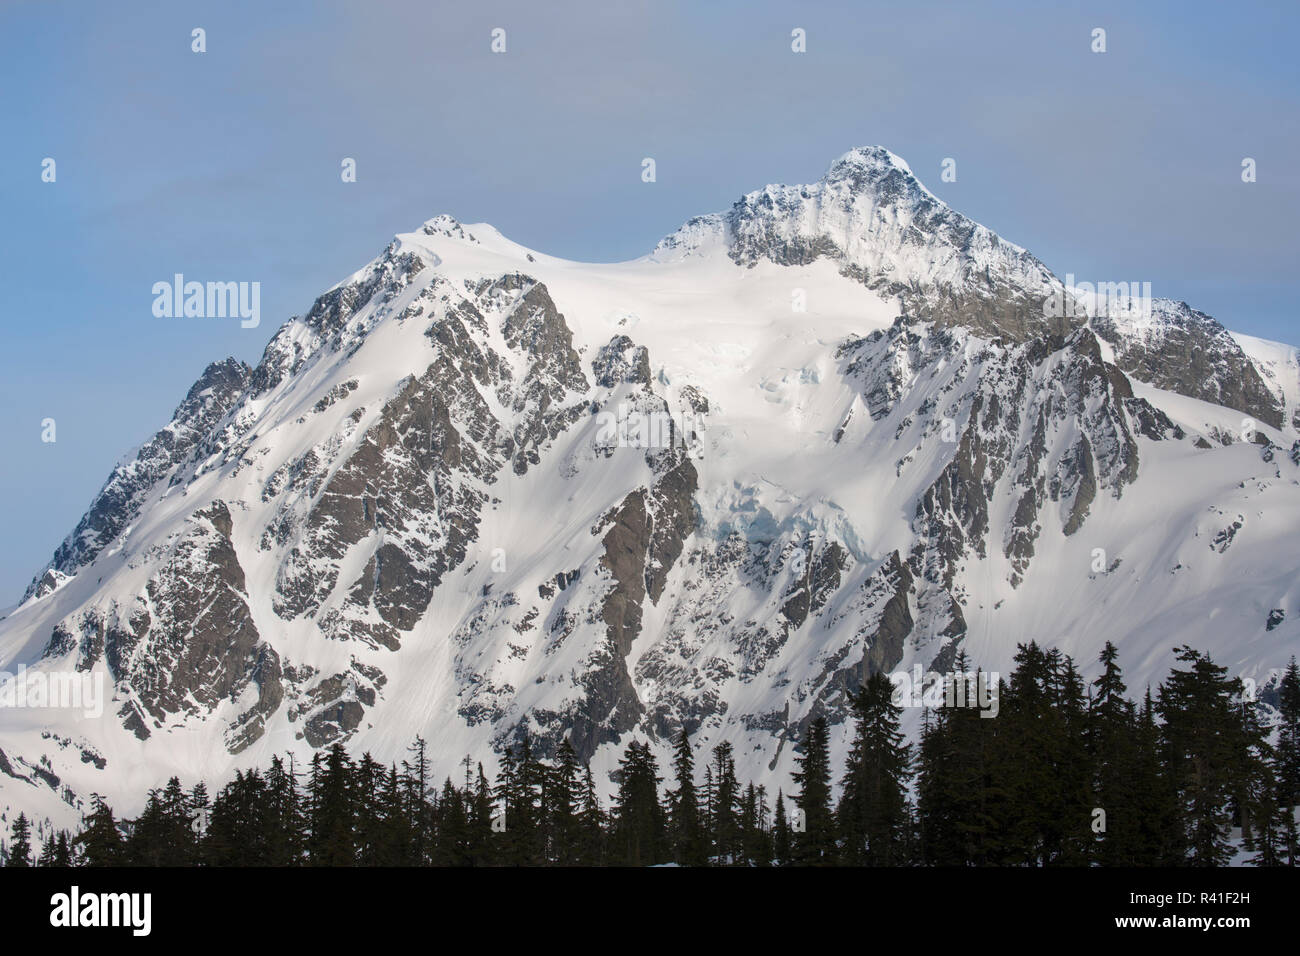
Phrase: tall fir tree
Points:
(519, 841)
(1288, 759)
(1201, 749)
(962, 798)
(20, 843)
(283, 822)
(814, 838)
(451, 846)
(873, 816)
(100, 840)
(592, 824)
(1112, 746)
(331, 810)
(689, 846)
(236, 833)
(640, 837)
(726, 805)
(780, 832)
(562, 800)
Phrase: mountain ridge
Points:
(422, 511)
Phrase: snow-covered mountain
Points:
(835, 429)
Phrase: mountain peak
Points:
(883, 173)
(873, 162)
(720, 510)
(871, 215)
(872, 156)
(448, 226)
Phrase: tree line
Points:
(1067, 774)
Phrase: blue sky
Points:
(225, 165)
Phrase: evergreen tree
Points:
(162, 834)
(479, 811)
(1112, 743)
(400, 836)
(236, 832)
(726, 805)
(1257, 794)
(563, 794)
(367, 780)
(1201, 749)
(780, 832)
(814, 839)
(684, 809)
(591, 824)
(1288, 759)
(640, 836)
(761, 853)
(753, 850)
(520, 798)
(1069, 839)
(1038, 755)
(415, 796)
(282, 824)
(873, 815)
(63, 852)
(46, 857)
(330, 809)
(100, 839)
(1158, 837)
(20, 844)
(962, 802)
(198, 807)
(451, 846)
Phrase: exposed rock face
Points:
(1188, 352)
(392, 498)
(187, 644)
(534, 326)
(329, 326)
(1047, 423)
(48, 583)
(621, 361)
(400, 493)
(337, 704)
(119, 501)
(411, 493)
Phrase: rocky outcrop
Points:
(119, 501)
(884, 229)
(410, 496)
(187, 645)
(1188, 352)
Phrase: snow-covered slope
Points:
(477, 488)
